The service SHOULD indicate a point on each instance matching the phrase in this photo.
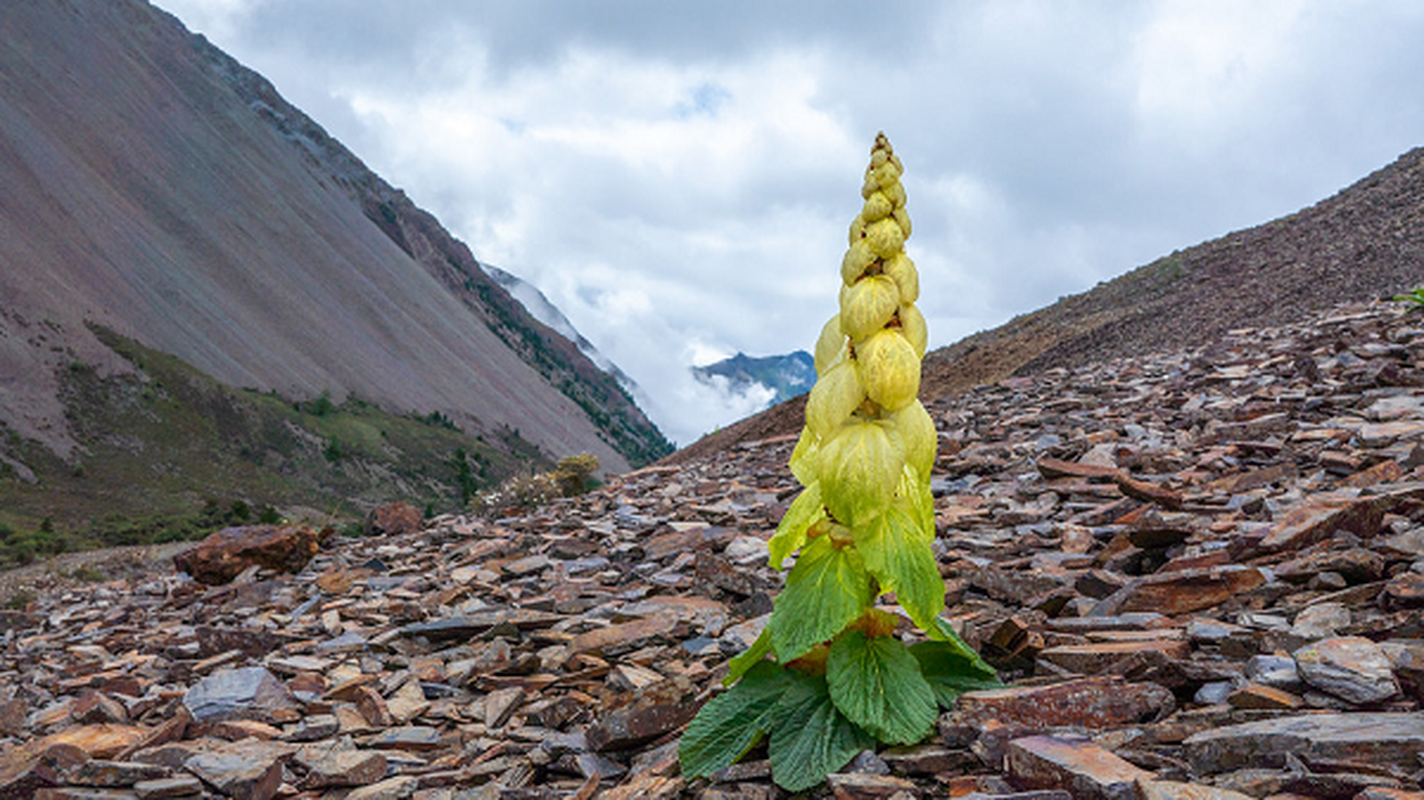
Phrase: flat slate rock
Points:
(1382, 739)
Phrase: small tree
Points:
(575, 473)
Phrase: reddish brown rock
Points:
(1366, 738)
(1183, 591)
(1405, 590)
(1352, 668)
(650, 713)
(27, 769)
(220, 557)
(1058, 468)
(1093, 703)
(1149, 492)
(1091, 659)
(624, 635)
(394, 519)
(1317, 520)
(105, 740)
(248, 769)
(1086, 770)
(1254, 695)
(862, 786)
(1172, 790)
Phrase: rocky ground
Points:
(1200, 573)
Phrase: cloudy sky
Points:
(678, 177)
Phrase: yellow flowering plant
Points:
(828, 677)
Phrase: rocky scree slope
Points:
(157, 188)
(1200, 572)
(1364, 243)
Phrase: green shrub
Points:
(574, 474)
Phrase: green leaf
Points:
(731, 723)
(748, 658)
(810, 738)
(917, 494)
(877, 684)
(949, 671)
(826, 590)
(803, 512)
(897, 552)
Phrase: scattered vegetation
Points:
(167, 454)
(572, 476)
(1415, 298)
(829, 676)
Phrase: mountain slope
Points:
(154, 187)
(1365, 242)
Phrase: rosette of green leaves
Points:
(828, 677)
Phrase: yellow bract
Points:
(859, 469)
(917, 433)
(877, 206)
(889, 369)
(901, 270)
(912, 324)
(868, 305)
(831, 345)
(885, 237)
(834, 397)
(857, 258)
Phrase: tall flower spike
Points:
(828, 677)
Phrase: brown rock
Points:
(1090, 659)
(623, 636)
(394, 519)
(163, 788)
(1093, 703)
(650, 713)
(1366, 738)
(1352, 668)
(1057, 468)
(1172, 790)
(1149, 492)
(861, 786)
(1086, 770)
(1182, 591)
(1405, 590)
(27, 769)
(1254, 695)
(1317, 520)
(220, 557)
(248, 769)
(1387, 471)
(105, 740)
(332, 768)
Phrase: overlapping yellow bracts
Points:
(868, 356)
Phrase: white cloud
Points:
(681, 186)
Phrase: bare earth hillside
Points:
(158, 189)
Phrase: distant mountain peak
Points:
(785, 376)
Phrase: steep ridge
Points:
(155, 187)
(1365, 242)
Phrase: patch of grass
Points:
(1414, 298)
(169, 454)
